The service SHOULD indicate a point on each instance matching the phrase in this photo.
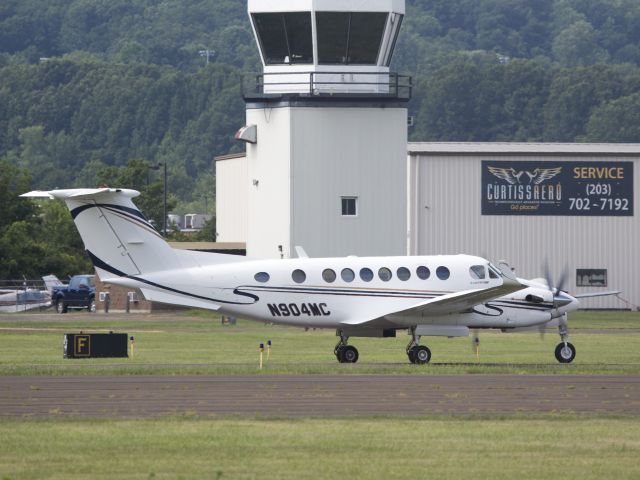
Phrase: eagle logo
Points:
(536, 177)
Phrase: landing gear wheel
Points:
(419, 355)
(347, 354)
(422, 355)
(60, 306)
(565, 353)
(411, 353)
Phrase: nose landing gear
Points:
(565, 351)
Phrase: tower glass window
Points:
(350, 37)
(284, 37)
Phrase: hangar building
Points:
(571, 205)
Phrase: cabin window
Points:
(384, 274)
(285, 38)
(442, 273)
(329, 275)
(349, 206)
(347, 275)
(366, 274)
(403, 274)
(262, 277)
(477, 272)
(423, 272)
(298, 276)
(349, 37)
(591, 277)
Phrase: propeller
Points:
(555, 288)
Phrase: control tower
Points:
(326, 129)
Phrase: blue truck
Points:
(80, 293)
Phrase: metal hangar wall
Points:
(571, 205)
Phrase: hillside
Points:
(87, 84)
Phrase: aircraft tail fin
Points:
(118, 238)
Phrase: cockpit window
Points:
(493, 272)
(477, 272)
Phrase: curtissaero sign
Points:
(557, 188)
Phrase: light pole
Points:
(164, 195)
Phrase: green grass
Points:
(571, 447)
(199, 344)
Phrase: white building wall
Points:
(269, 189)
(231, 199)
(347, 151)
(445, 217)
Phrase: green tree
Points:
(617, 121)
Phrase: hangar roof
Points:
(511, 148)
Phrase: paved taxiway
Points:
(317, 395)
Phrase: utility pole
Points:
(207, 53)
(164, 194)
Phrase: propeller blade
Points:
(562, 280)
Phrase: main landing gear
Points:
(418, 354)
(565, 351)
(345, 353)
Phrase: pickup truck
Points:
(80, 293)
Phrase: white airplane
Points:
(443, 295)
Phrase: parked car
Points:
(79, 293)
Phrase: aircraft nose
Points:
(565, 301)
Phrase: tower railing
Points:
(328, 84)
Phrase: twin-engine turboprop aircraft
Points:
(443, 295)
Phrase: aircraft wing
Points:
(456, 302)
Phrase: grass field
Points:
(607, 342)
(569, 446)
(450, 448)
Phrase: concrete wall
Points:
(357, 152)
(305, 160)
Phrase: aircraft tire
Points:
(421, 355)
(348, 354)
(411, 353)
(565, 355)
